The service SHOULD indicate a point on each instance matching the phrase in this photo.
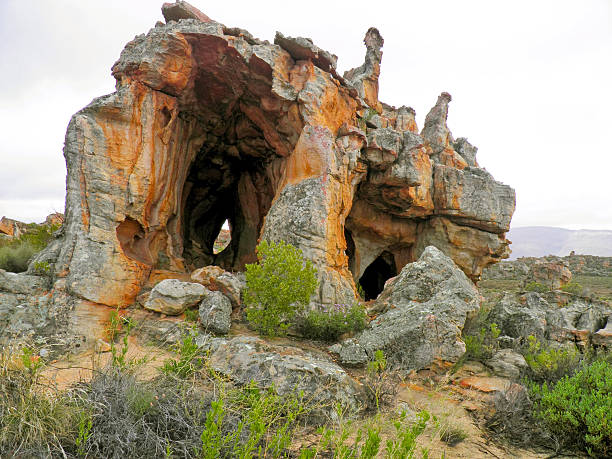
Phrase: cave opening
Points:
(376, 274)
(223, 238)
(227, 192)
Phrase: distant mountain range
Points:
(538, 241)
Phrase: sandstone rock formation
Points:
(423, 311)
(209, 124)
(11, 227)
(552, 274)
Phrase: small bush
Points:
(536, 287)
(278, 287)
(512, 419)
(549, 364)
(33, 423)
(453, 435)
(191, 358)
(329, 322)
(482, 345)
(380, 384)
(573, 287)
(578, 408)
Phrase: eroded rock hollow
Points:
(209, 124)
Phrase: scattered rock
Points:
(423, 311)
(216, 279)
(289, 370)
(172, 296)
(215, 313)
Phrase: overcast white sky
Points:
(531, 83)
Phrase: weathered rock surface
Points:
(172, 296)
(423, 311)
(290, 370)
(217, 279)
(215, 313)
(556, 317)
(210, 124)
(21, 283)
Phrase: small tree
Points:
(278, 287)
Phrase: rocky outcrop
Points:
(209, 124)
(586, 265)
(422, 313)
(553, 274)
(555, 317)
(11, 227)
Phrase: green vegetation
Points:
(278, 288)
(115, 414)
(482, 345)
(15, 253)
(573, 287)
(329, 322)
(536, 287)
(190, 360)
(549, 364)
(577, 409)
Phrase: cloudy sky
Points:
(531, 83)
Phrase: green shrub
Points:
(573, 287)
(329, 322)
(14, 258)
(191, 358)
(536, 287)
(577, 409)
(549, 364)
(278, 287)
(482, 345)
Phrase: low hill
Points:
(538, 241)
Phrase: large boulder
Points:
(423, 311)
(172, 297)
(290, 370)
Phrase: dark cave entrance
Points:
(376, 274)
(228, 184)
